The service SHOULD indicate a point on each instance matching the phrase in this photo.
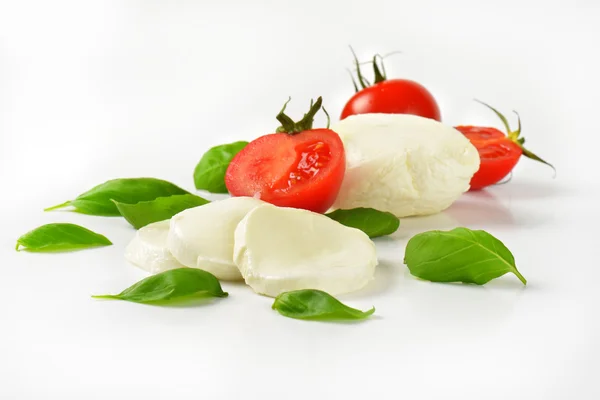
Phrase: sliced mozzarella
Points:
(282, 249)
(404, 164)
(148, 249)
(202, 237)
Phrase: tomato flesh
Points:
(498, 154)
(304, 170)
(477, 134)
(394, 96)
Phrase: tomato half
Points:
(304, 170)
(498, 154)
(394, 96)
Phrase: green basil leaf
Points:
(160, 209)
(60, 237)
(210, 172)
(317, 305)
(171, 286)
(99, 200)
(372, 222)
(459, 255)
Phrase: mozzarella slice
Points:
(148, 249)
(404, 164)
(202, 237)
(282, 249)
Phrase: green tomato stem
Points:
(290, 127)
(379, 76)
(515, 136)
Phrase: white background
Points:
(93, 90)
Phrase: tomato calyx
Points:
(306, 123)
(515, 136)
(379, 72)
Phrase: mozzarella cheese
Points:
(282, 249)
(148, 249)
(202, 237)
(404, 164)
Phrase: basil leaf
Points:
(317, 305)
(60, 237)
(210, 172)
(99, 200)
(160, 209)
(171, 286)
(372, 222)
(459, 255)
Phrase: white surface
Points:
(96, 90)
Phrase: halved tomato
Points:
(298, 167)
(499, 152)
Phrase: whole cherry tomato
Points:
(393, 96)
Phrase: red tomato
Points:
(300, 168)
(396, 96)
(499, 153)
